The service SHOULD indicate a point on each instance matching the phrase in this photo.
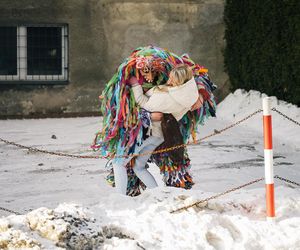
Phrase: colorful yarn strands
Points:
(123, 118)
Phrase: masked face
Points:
(149, 67)
(148, 74)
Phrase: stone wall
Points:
(101, 34)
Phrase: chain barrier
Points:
(229, 191)
(9, 211)
(229, 127)
(286, 180)
(216, 196)
(201, 201)
(216, 132)
(285, 116)
(33, 149)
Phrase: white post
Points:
(268, 153)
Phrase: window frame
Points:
(22, 77)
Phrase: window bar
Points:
(18, 53)
(23, 52)
(62, 52)
(66, 63)
(5, 35)
(38, 48)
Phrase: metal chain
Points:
(286, 180)
(216, 132)
(32, 149)
(204, 200)
(232, 190)
(230, 126)
(201, 201)
(216, 196)
(10, 211)
(285, 116)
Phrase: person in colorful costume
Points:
(124, 121)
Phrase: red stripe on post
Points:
(270, 200)
(267, 121)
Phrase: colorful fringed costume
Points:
(123, 121)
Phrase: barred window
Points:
(34, 53)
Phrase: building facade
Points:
(57, 55)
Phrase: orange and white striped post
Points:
(268, 154)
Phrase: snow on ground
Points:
(68, 205)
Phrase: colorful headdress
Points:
(150, 63)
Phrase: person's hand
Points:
(133, 81)
(156, 116)
(198, 103)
